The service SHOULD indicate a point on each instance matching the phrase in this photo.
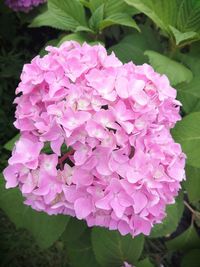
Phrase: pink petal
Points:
(140, 201)
(10, 174)
(83, 207)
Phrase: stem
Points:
(173, 50)
(193, 218)
(195, 213)
(189, 207)
(64, 157)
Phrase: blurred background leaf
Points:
(112, 249)
(191, 258)
(187, 133)
(185, 241)
(170, 223)
(46, 229)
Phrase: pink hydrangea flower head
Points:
(95, 139)
(23, 5)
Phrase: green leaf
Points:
(110, 12)
(80, 252)
(96, 18)
(113, 7)
(10, 144)
(144, 263)
(85, 3)
(192, 183)
(119, 18)
(189, 93)
(74, 230)
(185, 241)
(191, 259)
(47, 18)
(45, 229)
(161, 12)
(71, 10)
(173, 215)
(95, 4)
(187, 133)
(175, 71)
(47, 148)
(132, 47)
(119, 6)
(182, 15)
(62, 14)
(180, 37)
(84, 29)
(112, 249)
(79, 37)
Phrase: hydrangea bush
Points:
(23, 5)
(95, 139)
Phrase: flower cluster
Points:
(95, 139)
(23, 5)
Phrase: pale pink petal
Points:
(83, 207)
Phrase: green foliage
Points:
(118, 18)
(189, 93)
(74, 230)
(187, 133)
(10, 144)
(45, 229)
(180, 37)
(189, 239)
(192, 183)
(19, 249)
(170, 223)
(132, 47)
(117, 12)
(80, 252)
(70, 15)
(112, 7)
(175, 71)
(179, 19)
(112, 249)
(191, 258)
(78, 37)
(62, 14)
(144, 263)
(97, 18)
